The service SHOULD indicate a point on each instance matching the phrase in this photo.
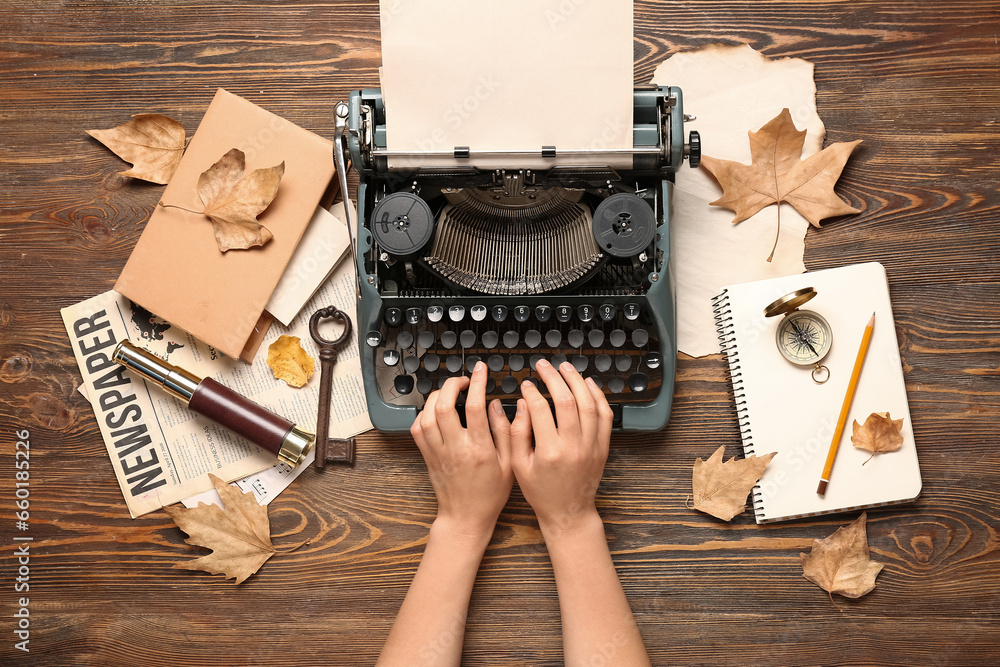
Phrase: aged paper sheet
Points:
(507, 74)
(732, 90)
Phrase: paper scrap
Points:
(732, 90)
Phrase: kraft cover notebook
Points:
(177, 271)
(781, 409)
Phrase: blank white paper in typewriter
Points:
(507, 75)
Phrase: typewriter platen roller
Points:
(508, 266)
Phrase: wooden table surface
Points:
(919, 81)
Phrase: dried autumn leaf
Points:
(239, 535)
(233, 200)
(776, 174)
(289, 362)
(841, 563)
(721, 489)
(880, 433)
(151, 142)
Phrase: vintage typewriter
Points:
(509, 266)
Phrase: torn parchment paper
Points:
(732, 90)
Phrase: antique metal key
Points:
(329, 450)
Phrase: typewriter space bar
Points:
(510, 409)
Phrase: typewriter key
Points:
(623, 362)
(449, 339)
(638, 382)
(602, 362)
(425, 339)
(402, 223)
(411, 364)
(624, 225)
(432, 362)
(491, 339)
(435, 313)
(640, 337)
(393, 316)
(403, 384)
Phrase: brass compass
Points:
(804, 337)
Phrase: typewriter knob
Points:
(692, 151)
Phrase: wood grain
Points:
(918, 81)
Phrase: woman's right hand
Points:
(559, 476)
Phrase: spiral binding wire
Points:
(725, 327)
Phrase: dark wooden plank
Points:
(917, 81)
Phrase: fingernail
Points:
(566, 366)
(521, 406)
(542, 362)
(591, 382)
(480, 366)
(497, 407)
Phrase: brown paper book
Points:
(177, 270)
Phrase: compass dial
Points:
(804, 337)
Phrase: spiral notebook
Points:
(781, 409)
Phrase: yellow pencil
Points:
(842, 420)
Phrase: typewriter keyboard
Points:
(611, 340)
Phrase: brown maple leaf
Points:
(841, 563)
(151, 142)
(721, 489)
(239, 535)
(776, 174)
(233, 200)
(880, 433)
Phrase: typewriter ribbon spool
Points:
(402, 223)
(624, 225)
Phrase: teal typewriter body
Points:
(460, 264)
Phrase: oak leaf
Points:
(233, 200)
(880, 433)
(776, 174)
(239, 535)
(289, 362)
(841, 563)
(721, 489)
(151, 142)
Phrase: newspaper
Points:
(161, 451)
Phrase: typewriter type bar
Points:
(511, 265)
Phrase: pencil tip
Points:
(871, 322)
